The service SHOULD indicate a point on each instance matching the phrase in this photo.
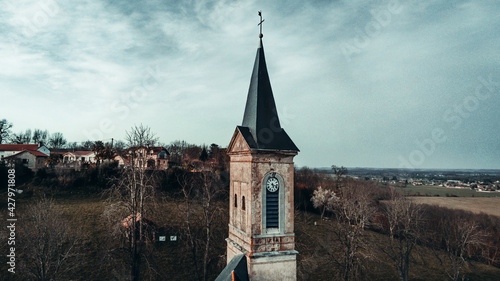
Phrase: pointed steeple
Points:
(261, 122)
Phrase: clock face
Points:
(272, 184)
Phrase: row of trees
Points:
(55, 140)
(358, 206)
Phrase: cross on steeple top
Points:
(261, 126)
(260, 24)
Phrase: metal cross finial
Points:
(260, 24)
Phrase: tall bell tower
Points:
(261, 219)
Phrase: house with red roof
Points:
(32, 156)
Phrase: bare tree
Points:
(49, 243)
(40, 136)
(72, 145)
(21, 137)
(353, 208)
(188, 154)
(4, 130)
(87, 145)
(119, 146)
(140, 136)
(16, 138)
(189, 216)
(57, 140)
(459, 234)
(404, 222)
(340, 173)
(176, 149)
(133, 195)
(491, 242)
(200, 189)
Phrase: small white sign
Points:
(173, 238)
(162, 238)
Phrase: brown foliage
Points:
(353, 209)
(48, 242)
(444, 226)
(201, 191)
(403, 222)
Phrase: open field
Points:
(427, 190)
(490, 206)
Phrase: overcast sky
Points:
(357, 83)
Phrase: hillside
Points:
(173, 260)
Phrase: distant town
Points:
(478, 180)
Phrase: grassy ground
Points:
(174, 261)
(426, 190)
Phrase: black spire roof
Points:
(261, 126)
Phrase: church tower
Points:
(261, 219)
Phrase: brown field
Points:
(490, 206)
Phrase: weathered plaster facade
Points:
(268, 251)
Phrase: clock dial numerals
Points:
(272, 184)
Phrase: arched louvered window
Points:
(273, 199)
(272, 208)
(236, 201)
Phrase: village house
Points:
(155, 157)
(32, 156)
(58, 153)
(77, 159)
(10, 149)
(121, 160)
(29, 158)
(79, 156)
